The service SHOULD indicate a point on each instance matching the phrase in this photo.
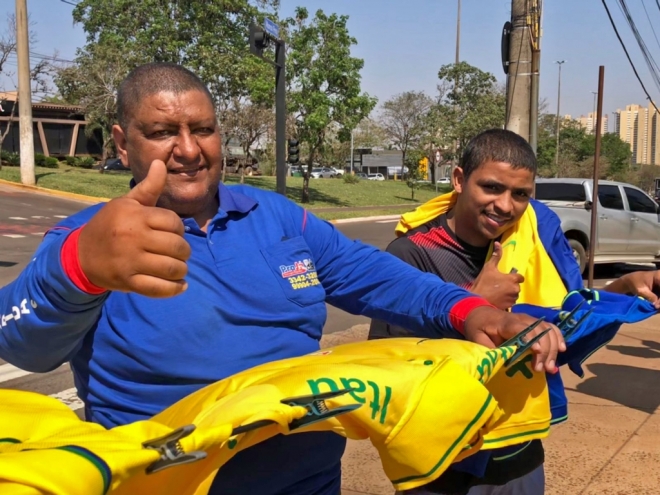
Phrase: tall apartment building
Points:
(640, 128)
(589, 123)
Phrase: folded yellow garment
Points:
(522, 249)
(452, 397)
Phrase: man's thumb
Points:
(151, 187)
(497, 253)
(647, 294)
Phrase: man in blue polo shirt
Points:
(184, 281)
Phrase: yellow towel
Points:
(522, 249)
(451, 397)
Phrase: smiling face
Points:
(181, 130)
(490, 200)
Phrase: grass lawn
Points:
(324, 193)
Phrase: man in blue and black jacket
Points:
(184, 281)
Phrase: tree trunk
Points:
(413, 193)
(224, 167)
(403, 162)
(307, 175)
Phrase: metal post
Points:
(454, 161)
(24, 95)
(594, 193)
(280, 117)
(593, 115)
(559, 62)
(352, 151)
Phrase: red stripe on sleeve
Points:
(71, 265)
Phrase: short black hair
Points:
(498, 145)
(148, 79)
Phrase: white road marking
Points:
(38, 216)
(60, 216)
(69, 398)
(10, 372)
(38, 233)
(13, 236)
(17, 218)
(387, 221)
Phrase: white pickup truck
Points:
(628, 229)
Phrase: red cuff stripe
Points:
(460, 311)
(71, 265)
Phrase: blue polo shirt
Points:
(258, 281)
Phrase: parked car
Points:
(361, 175)
(322, 173)
(375, 177)
(628, 228)
(113, 165)
(338, 171)
(444, 180)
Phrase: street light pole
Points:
(560, 63)
(593, 115)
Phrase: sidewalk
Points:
(611, 442)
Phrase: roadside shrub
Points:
(86, 162)
(40, 160)
(350, 179)
(51, 162)
(70, 160)
(10, 159)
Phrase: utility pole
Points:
(454, 161)
(352, 151)
(24, 95)
(260, 39)
(560, 63)
(519, 87)
(594, 189)
(536, 15)
(593, 114)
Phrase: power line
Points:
(651, 23)
(616, 31)
(648, 58)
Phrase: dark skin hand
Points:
(131, 245)
(492, 327)
(499, 289)
(644, 284)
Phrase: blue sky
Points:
(404, 43)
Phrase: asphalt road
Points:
(26, 216)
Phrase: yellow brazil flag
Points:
(452, 397)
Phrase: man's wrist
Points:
(459, 313)
(71, 265)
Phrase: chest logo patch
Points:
(300, 274)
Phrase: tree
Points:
(39, 73)
(369, 134)
(93, 82)
(469, 102)
(324, 82)
(415, 161)
(210, 38)
(405, 120)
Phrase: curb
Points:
(366, 219)
(54, 192)
(94, 199)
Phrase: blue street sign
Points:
(271, 28)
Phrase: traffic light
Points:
(258, 40)
(293, 157)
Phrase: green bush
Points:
(11, 159)
(350, 179)
(71, 161)
(86, 162)
(40, 160)
(51, 162)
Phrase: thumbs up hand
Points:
(131, 245)
(500, 289)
